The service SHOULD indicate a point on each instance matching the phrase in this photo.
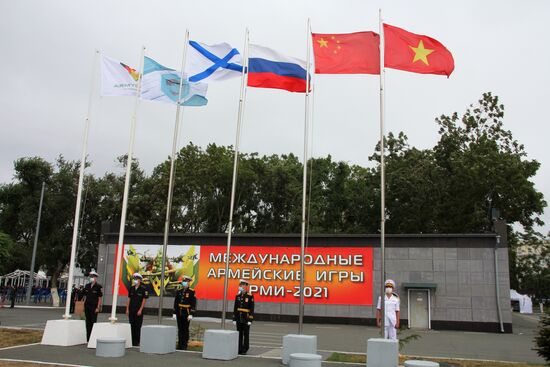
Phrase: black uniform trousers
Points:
(244, 331)
(183, 329)
(12, 305)
(91, 319)
(135, 325)
(73, 299)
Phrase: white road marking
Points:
(40, 362)
(262, 333)
(278, 325)
(40, 307)
(21, 328)
(270, 344)
(19, 346)
(272, 353)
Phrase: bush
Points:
(542, 340)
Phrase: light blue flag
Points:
(162, 84)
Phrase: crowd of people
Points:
(13, 294)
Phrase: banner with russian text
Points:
(333, 275)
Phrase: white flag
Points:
(117, 78)
(209, 63)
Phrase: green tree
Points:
(530, 273)
(475, 166)
(20, 206)
(484, 167)
(280, 195)
(6, 247)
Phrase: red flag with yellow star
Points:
(346, 53)
(416, 53)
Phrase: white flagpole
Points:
(304, 185)
(120, 243)
(382, 180)
(242, 98)
(171, 180)
(76, 222)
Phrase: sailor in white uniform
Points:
(391, 304)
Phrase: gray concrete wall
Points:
(464, 276)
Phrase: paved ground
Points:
(266, 338)
(81, 355)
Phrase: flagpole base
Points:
(64, 333)
(107, 329)
(382, 352)
(298, 343)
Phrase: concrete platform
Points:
(305, 360)
(110, 347)
(382, 353)
(158, 339)
(298, 343)
(418, 363)
(220, 344)
(64, 333)
(107, 329)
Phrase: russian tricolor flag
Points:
(269, 69)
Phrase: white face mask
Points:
(241, 289)
(92, 279)
(135, 282)
(389, 290)
(185, 284)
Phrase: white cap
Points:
(243, 281)
(137, 275)
(93, 274)
(390, 282)
(187, 277)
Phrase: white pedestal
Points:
(110, 347)
(305, 360)
(220, 344)
(64, 333)
(296, 343)
(382, 353)
(107, 329)
(416, 363)
(158, 339)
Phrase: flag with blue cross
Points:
(211, 63)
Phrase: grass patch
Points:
(10, 338)
(345, 357)
(195, 346)
(460, 363)
(362, 358)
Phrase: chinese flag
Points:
(415, 53)
(346, 53)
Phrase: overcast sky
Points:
(47, 50)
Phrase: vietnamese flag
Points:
(346, 53)
(415, 53)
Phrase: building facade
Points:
(445, 281)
